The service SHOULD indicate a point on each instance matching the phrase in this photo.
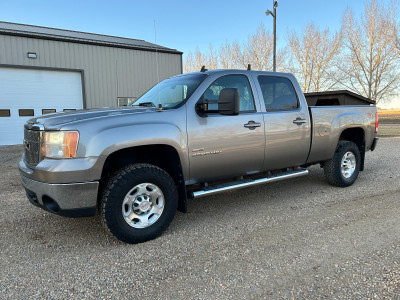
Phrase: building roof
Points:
(340, 92)
(48, 33)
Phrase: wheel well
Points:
(357, 136)
(162, 156)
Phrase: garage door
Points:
(25, 93)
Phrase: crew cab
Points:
(189, 136)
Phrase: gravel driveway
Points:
(299, 239)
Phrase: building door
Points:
(25, 93)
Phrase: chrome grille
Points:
(32, 146)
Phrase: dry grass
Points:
(389, 112)
(391, 116)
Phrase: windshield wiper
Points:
(146, 104)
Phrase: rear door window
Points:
(278, 93)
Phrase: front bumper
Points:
(64, 199)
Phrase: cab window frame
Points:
(298, 108)
(251, 90)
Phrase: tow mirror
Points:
(228, 102)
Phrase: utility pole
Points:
(273, 14)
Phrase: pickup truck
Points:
(191, 135)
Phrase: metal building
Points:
(45, 70)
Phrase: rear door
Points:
(287, 123)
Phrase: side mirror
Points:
(228, 102)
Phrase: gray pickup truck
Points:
(191, 135)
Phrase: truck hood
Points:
(59, 119)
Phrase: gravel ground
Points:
(300, 239)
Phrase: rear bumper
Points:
(375, 141)
(66, 199)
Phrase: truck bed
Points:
(328, 123)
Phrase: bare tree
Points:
(371, 56)
(189, 65)
(313, 54)
(240, 55)
(226, 56)
(258, 49)
(200, 59)
(212, 58)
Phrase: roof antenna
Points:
(249, 67)
(159, 109)
(203, 69)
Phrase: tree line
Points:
(363, 56)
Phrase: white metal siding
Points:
(108, 72)
(35, 89)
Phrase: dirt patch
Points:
(389, 130)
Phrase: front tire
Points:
(342, 170)
(139, 203)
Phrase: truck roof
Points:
(243, 71)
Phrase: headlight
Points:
(60, 144)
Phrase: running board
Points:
(246, 183)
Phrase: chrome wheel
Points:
(143, 205)
(348, 164)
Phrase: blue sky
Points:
(182, 25)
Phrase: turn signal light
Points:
(70, 143)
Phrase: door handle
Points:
(252, 125)
(299, 121)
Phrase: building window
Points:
(68, 109)
(126, 101)
(48, 111)
(4, 112)
(26, 112)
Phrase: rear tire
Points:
(139, 203)
(342, 170)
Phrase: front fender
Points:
(110, 140)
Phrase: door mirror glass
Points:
(229, 102)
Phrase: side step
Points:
(246, 183)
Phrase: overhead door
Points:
(25, 93)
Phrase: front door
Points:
(226, 146)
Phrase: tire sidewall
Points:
(113, 209)
(348, 147)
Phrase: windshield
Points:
(171, 92)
